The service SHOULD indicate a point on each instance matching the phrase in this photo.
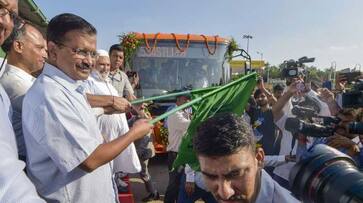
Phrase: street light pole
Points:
(268, 70)
(248, 37)
(261, 54)
(332, 75)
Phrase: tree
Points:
(274, 71)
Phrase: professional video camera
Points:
(318, 126)
(325, 175)
(292, 68)
(325, 128)
(354, 97)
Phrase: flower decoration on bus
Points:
(130, 45)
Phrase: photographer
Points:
(295, 145)
(282, 109)
(343, 139)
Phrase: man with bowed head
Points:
(232, 165)
(68, 158)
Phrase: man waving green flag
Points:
(231, 97)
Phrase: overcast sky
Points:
(329, 30)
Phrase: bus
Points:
(168, 62)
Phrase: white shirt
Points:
(60, 132)
(287, 142)
(16, 83)
(14, 185)
(272, 192)
(178, 124)
(113, 126)
(324, 108)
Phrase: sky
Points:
(329, 30)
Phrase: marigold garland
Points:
(178, 45)
(148, 49)
(215, 44)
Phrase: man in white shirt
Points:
(178, 124)
(289, 144)
(26, 50)
(68, 159)
(111, 125)
(231, 165)
(14, 185)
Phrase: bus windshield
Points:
(166, 69)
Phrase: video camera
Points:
(292, 68)
(354, 97)
(325, 175)
(326, 128)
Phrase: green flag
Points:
(231, 97)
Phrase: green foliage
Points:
(232, 47)
(130, 45)
(316, 74)
(313, 73)
(273, 71)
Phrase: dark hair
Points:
(257, 93)
(61, 24)
(188, 96)
(116, 47)
(278, 87)
(17, 33)
(223, 134)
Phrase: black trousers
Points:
(171, 194)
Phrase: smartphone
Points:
(300, 86)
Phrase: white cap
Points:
(102, 52)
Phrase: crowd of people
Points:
(70, 134)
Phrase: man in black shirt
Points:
(263, 123)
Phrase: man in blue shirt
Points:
(68, 157)
(232, 165)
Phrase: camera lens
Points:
(326, 175)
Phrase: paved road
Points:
(159, 173)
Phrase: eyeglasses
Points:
(4, 11)
(18, 22)
(80, 52)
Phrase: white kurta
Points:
(113, 126)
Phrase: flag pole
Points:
(143, 100)
(196, 100)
